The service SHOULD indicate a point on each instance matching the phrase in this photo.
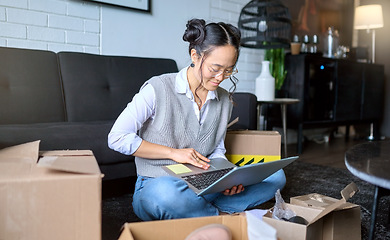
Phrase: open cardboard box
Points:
(294, 231)
(343, 223)
(250, 146)
(49, 195)
(318, 226)
(179, 229)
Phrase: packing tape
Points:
(241, 160)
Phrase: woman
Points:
(182, 118)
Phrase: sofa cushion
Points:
(30, 87)
(99, 87)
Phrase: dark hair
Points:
(205, 37)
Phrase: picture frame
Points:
(139, 5)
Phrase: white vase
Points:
(265, 84)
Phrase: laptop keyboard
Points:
(203, 180)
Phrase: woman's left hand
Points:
(234, 190)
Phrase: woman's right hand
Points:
(185, 155)
(191, 156)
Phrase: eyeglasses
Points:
(225, 73)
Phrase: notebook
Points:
(223, 174)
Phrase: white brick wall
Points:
(56, 25)
(249, 63)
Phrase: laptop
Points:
(223, 174)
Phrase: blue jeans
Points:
(169, 197)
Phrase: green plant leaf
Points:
(276, 58)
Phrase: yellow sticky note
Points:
(179, 168)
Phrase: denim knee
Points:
(278, 179)
(158, 195)
(167, 198)
(166, 190)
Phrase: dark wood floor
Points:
(329, 154)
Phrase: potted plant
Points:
(276, 58)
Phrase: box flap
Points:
(66, 153)
(23, 153)
(318, 201)
(346, 193)
(233, 122)
(18, 160)
(349, 191)
(75, 161)
(313, 200)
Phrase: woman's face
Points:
(217, 66)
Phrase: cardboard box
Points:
(287, 230)
(319, 227)
(248, 146)
(55, 197)
(179, 229)
(343, 223)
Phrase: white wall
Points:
(55, 25)
(159, 34)
(84, 26)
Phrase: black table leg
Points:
(373, 213)
(347, 132)
(300, 139)
(283, 108)
(379, 192)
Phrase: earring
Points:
(192, 65)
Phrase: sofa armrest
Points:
(244, 107)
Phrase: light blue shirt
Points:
(123, 136)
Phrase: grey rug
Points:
(302, 178)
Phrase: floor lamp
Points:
(369, 17)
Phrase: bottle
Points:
(295, 39)
(265, 84)
(335, 43)
(305, 44)
(330, 49)
(314, 46)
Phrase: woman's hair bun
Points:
(195, 32)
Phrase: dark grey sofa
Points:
(70, 100)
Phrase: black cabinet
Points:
(319, 92)
(331, 92)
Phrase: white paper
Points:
(257, 228)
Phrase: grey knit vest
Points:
(176, 125)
